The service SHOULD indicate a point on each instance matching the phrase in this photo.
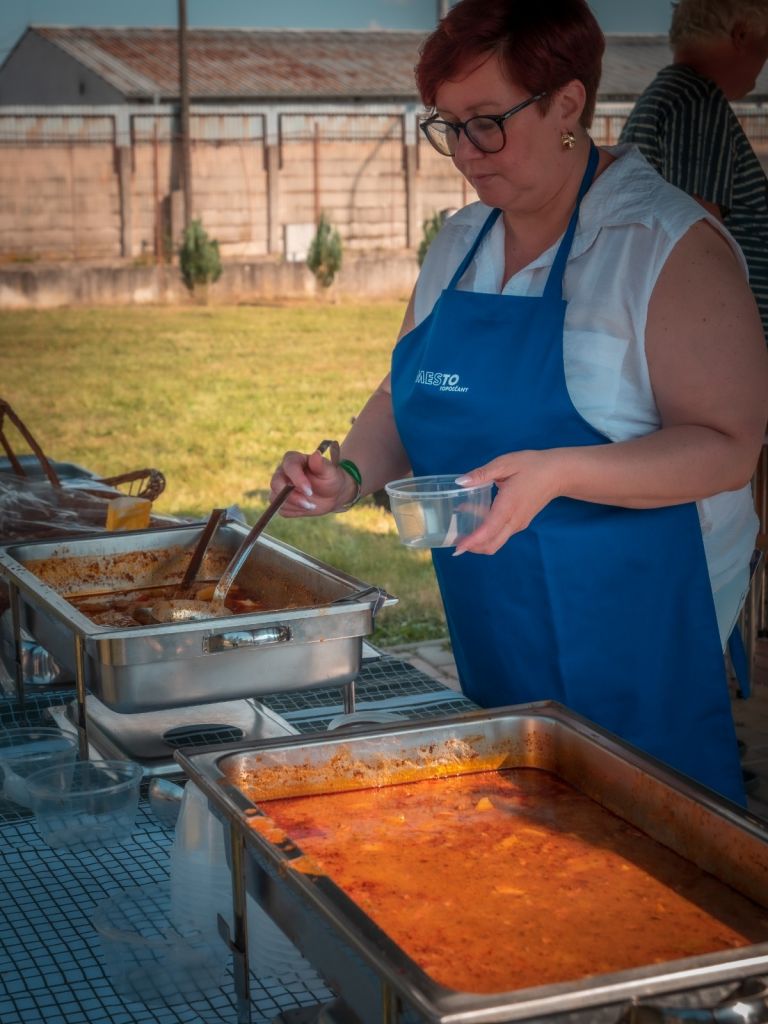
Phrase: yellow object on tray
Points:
(128, 513)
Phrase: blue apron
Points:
(608, 610)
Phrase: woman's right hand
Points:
(320, 486)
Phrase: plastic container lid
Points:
(150, 958)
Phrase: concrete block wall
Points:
(41, 286)
(83, 206)
(112, 189)
(230, 195)
(59, 202)
(440, 190)
(358, 184)
(88, 200)
(145, 204)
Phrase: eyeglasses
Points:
(485, 131)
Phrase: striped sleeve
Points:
(697, 150)
(682, 124)
(686, 129)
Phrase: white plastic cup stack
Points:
(201, 889)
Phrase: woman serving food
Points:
(612, 381)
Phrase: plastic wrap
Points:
(35, 509)
(32, 507)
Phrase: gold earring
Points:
(567, 140)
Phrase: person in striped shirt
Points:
(685, 127)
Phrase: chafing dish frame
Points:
(150, 668)
(373, 977)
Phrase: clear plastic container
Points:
(434, 512)
(25, 750)
(201, 889)
(152, 959)
(87, 805)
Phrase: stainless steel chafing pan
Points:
(311, 636)
(375, 979)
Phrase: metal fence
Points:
(104, 182)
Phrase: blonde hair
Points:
(705, 19)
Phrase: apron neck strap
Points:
(490, 220)
(554, 285)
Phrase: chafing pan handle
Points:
(747, 1004)
(358, 595)
(218, 642)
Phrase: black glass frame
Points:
(465, 126)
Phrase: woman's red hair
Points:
(542, 45)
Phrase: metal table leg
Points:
(239, 942)
(349, 698)
(13, 594)
(82, 725)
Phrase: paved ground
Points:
(751, 716)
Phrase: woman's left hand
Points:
(526, 481)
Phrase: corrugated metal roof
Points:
(247, 63)
(293, 64)
(630, 63)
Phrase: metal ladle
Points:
(181, 608)
(193, 610)
(240, 557)
(203, 543)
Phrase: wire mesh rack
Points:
(51, 967)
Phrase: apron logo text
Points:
(443, 381)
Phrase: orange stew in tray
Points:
(504, 880)
(114, 589)
(120, 609)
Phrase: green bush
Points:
(324, 254)
(430, 228)
(199, 257)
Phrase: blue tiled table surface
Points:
(51, 968)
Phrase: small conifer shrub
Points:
(199, 257)
(324, 255)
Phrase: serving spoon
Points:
(240, 557)
(188, 611)
(203, 543)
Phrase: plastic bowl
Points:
(86, 806)
(26, 750)
(150, 959)
(434, 512)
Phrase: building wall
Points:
(59, 202)
(104, 184)
(65, 80)
(230, 195)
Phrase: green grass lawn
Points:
(212, 397)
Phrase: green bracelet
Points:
(349, 467)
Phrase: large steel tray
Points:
(374, 978)
(315, 640)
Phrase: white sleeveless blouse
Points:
(630, 221)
